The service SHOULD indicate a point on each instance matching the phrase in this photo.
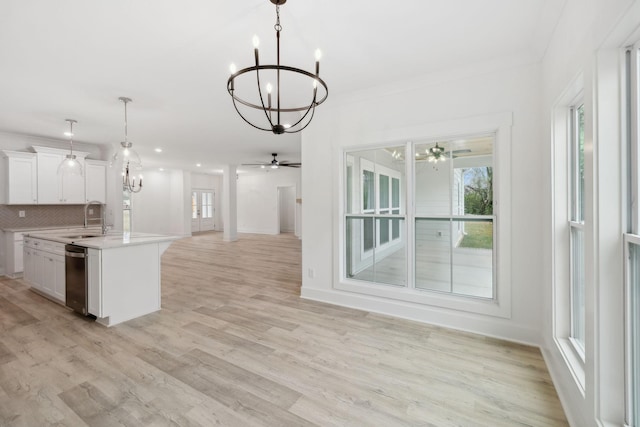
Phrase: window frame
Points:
(576, 226)
(631, 236)
(561, 235)
(499, 124)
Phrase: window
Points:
(375, 247)
(576, 227)
(452, 243)
(454, 217)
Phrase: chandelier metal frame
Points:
(276, 126)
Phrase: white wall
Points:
(588, 41)
(258, 200)
(287, 209)
(164, 204)
(380, 116)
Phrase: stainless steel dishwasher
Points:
(75, 266)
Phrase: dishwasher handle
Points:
(75, 254)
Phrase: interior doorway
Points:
(202, 210)
(287, 209)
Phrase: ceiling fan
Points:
(275, 163)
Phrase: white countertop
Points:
(33, 228)
(96, 240)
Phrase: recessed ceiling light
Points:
(158, 150)
(198, 164)
(161, 169)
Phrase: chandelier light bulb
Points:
(256, 42)
(269, 88)
(318, 54)
(233, 68)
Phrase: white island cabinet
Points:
(124, 282)
(123, 271)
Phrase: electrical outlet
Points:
(21, 214)
(311, 273)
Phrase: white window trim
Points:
(633, 223)
(561, 237)
(499, 124)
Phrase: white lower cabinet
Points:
(13, 253)
(54, 275)
(44, 267)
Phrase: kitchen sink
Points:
(82, 236)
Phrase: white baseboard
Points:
(489, 326)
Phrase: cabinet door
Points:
(48, 180)
(48, 274)
(28, 265)
(38, 269)
(73, 188)
(59, 285)
(54, 188)
(95, 181)
(18, 256)
(21, 180)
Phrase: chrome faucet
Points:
(102, 219)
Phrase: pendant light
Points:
(127, 158)
(125, 153)
(70, 164)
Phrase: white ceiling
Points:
(74, 58)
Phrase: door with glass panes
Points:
(202, 210)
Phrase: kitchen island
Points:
(123, 270)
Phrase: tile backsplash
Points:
(44, 215)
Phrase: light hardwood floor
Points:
(234, 345)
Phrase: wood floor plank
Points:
(235, 345)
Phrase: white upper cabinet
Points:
(20, 176)
(95, 180)
(32, 178)
(54, 188)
